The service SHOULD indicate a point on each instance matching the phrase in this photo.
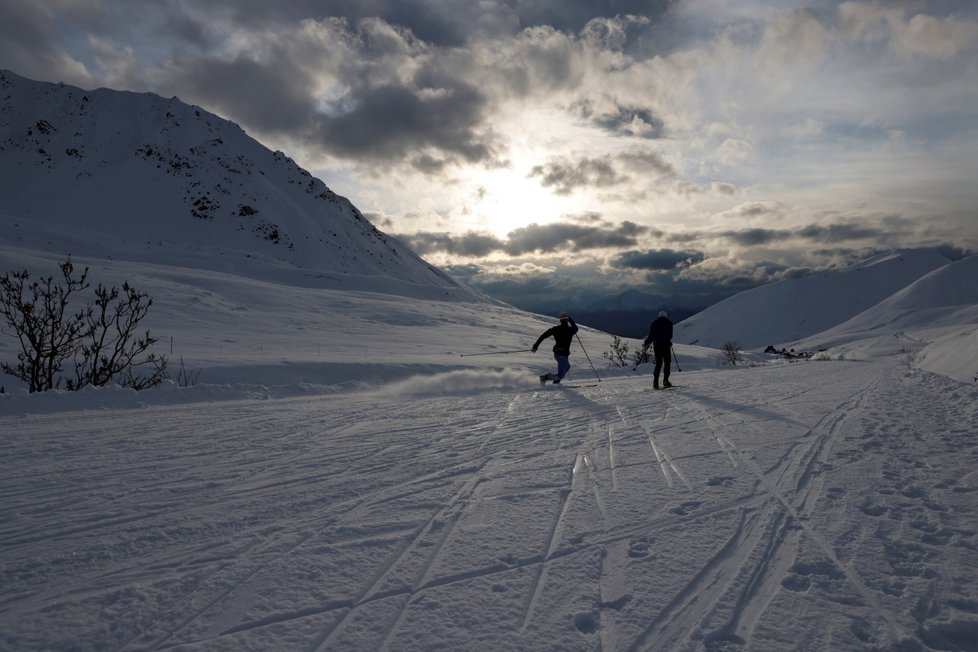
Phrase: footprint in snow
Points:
(686, 508)
(639, 548)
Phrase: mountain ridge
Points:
(108, 172)
(794, 309)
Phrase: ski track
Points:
(622, 472)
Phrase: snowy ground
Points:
(819, 505)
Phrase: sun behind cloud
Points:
(504, 199)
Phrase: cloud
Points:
(468, 245)
(623, 120)
(29, 47)
(391, 121)
(577, 234)
(567, 176)
(905, 34)
(658, 259)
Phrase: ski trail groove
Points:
(368, 593)
(665, 462)
(553, 541)
(803, 461)
(612, 462)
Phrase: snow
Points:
(364, 465)
(934, 320)
(824, 502)
(793, 309)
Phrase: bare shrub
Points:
(730, 353)
(617, 355)
(100, 340)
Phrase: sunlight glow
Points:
(504, 199)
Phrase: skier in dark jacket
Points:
(660, 337)
(563, 336)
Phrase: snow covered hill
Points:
(790, 310)
(112, 174)
(935, 318)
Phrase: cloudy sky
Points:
(558, 151)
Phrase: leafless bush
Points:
(730, 353)
(100, 339)
(187, 377)
(617, 354)
(644, 354)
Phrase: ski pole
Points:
(678, 368)
(469, 355)
(588, 358)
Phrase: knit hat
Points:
(563, 315)
(663, 313)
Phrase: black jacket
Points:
(660, 331)
(563, 336)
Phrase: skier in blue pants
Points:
(563, 336)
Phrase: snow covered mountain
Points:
(793, 309)
(934, 318)
(115, 174)
(260, 275)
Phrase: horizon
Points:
(557, 157)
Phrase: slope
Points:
(790, 310)
(124, 175)
(934, 318)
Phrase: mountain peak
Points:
(108, 172)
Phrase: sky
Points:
(556, 154)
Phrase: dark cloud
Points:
(446, 22)
(255, 93)
(428, 165)
(474, 245)
(538, 239)
(833, 233)
(390, 121)
(566, 176)
(573, 15)
(428, 19)
(646, 162)
(658, 259)
(622, 120)
(27, 43)
(757, 236)
(816, 233)
(551, 238)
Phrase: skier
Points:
(660, 337)
(563, 336)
